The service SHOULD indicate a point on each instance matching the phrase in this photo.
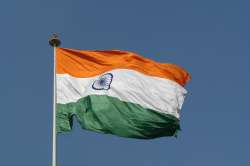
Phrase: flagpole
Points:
(54, 42)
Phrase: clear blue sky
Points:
(211, 39)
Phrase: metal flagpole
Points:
(54, 42)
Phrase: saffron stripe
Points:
(85, 64)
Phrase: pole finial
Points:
(54, 40)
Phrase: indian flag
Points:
(118, 92)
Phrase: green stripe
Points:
(110, 115)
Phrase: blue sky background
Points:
(211, 39)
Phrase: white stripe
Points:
(155, 93)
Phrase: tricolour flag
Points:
(118, 92)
